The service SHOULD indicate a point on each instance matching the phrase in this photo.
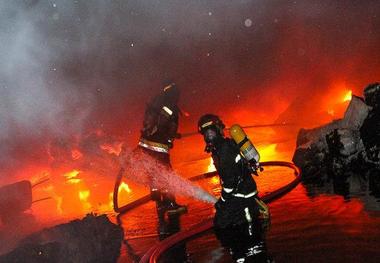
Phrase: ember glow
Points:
(348, 96)
(83, 197)
(210, 167)
(71, 177)
(123, 187)
(268, 152)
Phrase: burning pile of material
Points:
(344, 147)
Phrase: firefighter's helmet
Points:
(208, 121)
(171, 92)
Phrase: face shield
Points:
(211, 137)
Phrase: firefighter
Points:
(241, 218)
(159, 130)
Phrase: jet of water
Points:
(144, 169)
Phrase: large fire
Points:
(79, 179)
(82, 170)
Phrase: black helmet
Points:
(210, 121)
(171, 93)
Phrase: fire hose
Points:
(154, 253)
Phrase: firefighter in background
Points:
(241, 218)
(159, 130)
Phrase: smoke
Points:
(142, 168)
(67, 67)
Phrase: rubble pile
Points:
(91, 239)
(345, 147)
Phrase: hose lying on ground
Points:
(154, 253)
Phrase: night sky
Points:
(69, 67)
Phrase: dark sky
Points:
(67, 67)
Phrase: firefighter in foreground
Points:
(241, 218)
(159, 130)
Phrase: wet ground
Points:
(309, 224)
(305, 228)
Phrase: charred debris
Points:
(343, 157)
(91, 239)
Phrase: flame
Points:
(110, 200)
(72, 174)
(124, 187)
(210, 167)
(74, 181)
(71, 177)
(348, 96)
(214, 180)
(268, 152)
(84, 195)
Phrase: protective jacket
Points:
(237, 204)
(160, 124)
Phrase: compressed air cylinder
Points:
(247, 149)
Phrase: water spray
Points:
(142, 168)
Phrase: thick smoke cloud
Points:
(67, 67)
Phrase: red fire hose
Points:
(154, 253)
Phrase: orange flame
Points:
(71, 177)
(268, 152)
(211, 167)
(84, 195)
(214, 180)
(71, 174)
(124, 187)
(110, 200)
(348, 96)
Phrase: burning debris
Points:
(92, 239)
(344, 148)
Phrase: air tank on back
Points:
(247, 149)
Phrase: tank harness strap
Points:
(240, 144)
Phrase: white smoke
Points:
(67, 66)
